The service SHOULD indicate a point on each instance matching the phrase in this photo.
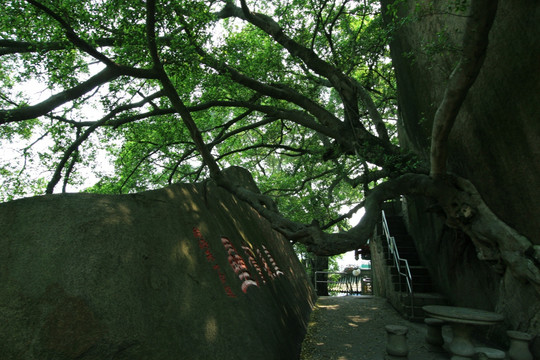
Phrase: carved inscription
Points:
(239, 265)
(203, 245)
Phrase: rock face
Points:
(494, 143)
(186, 272)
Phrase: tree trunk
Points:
(494, 144)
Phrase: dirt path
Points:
(352, 328)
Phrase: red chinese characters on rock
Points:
(238, 265)
(253, 262)
(277, 271)
(203, 244)
(265, 264)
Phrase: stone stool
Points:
(396, 341)
(488, 353)
(434, 332)
(519, 345)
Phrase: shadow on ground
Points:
(352, 328)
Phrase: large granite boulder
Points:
(185, 272)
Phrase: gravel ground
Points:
(352, 328)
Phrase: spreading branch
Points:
(73, 148)
(343, 84)
(172, 94)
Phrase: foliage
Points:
(145, 142)
(138, 95)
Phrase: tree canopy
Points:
(299, 92)
(173, 91)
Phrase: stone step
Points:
(420, 300)
(416, 270)
(423, 292)
(417, 287)
(430, 298)
(402, 239)
(411, 261)
(396, 226)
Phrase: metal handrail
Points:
(393, 250)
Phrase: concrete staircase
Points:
(423, 291)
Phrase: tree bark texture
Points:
(493, 143)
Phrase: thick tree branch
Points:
(86, 47)
(21, 47)
(8, 47)
(354, 140)
(348, 215)
(367, 177)
(305, 181)
(475, 43)
(272, 147)
(34, 111)
(277, 92)
(366, 99)
(172, 94)
(72, 36)
(494, 240)
(374, 113)
(312, 235)
(342, 83)
(458, 198)
(296, 116)
(73, 148)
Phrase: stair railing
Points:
(394, 254)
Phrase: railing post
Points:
(392, 249)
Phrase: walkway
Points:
(352, 328)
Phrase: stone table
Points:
(462, 320)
